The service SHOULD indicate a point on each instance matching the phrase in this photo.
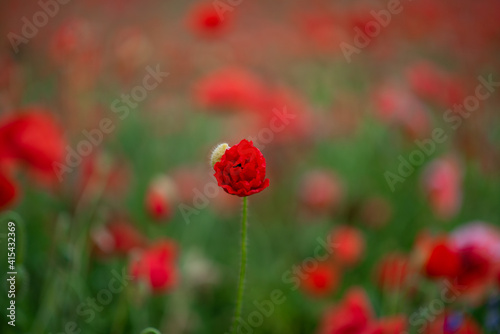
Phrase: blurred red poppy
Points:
(442, 182)
(395, 105)
(32, 136)
(353, 315)
(156, 266)
(159, 198)
(321, 281)
(443, 260)
(348, 245)
(205, 20)
(230, 88)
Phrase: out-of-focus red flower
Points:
(242, 170)
(452, 323)
(348, 245)
(157, 266)
(394, 105)
(72, 40)
(432, 83)
(321, 281)
(466, 261)
(230, 89)
(117, 238)
(443, 260)
(159, 198)
(205, 20)
(33, 137)
(8, 191)
(320, 191)
(476, 267)
(392, 272)
(353, 315)
(442, 183)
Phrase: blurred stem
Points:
(150, 330)
(241, 284)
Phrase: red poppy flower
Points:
(241, 170)
(156, 266)
(353, 315)
(395, 105)
(476, 267)
(321, 281)
(230, 89)
(8, 191)
(33, 137)
(443, 260)
(442, 180)
(348, 245)
(204, 19)
(159, 198)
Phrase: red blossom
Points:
(242, 170)
(348, 245)
(159, 198)
(443, 260)
(32, 136)
(156, 266)
(321, 281)
(205, 20)
(230, 89)
(442, 181)
(353, 315)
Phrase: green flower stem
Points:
(243, 268)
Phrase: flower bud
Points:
(217, 153)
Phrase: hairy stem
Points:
(243, 268)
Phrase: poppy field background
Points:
(379, 124)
